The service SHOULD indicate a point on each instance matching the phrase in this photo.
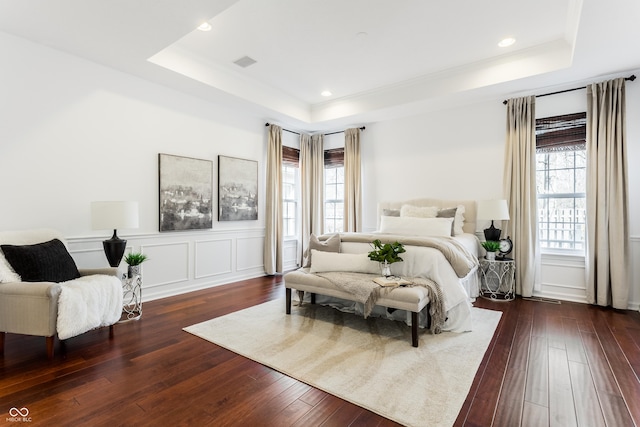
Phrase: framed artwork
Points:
(186, 193)
(237, 189)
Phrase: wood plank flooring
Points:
(547, 365)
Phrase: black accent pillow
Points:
(43, 262)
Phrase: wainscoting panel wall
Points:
(564, 277)
(290, 255)
(182, 261)
(249, 252)
(213, 257)
(634, 297)
(174, 267)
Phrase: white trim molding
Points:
(182, 262)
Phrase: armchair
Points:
(33, 307)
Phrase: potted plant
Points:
(386, 254)
(491, 246)
(134, 260)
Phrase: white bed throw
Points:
(88, 302)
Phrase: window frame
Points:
(291, 160)
(333, 160)
(561, 134)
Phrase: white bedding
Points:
(469, 241)
(432, 264)
(419, 261)
(428, 262)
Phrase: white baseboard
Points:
(159, 292)
(632, 305)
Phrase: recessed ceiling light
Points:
(205, 26)
(507, 42)
(326, 93)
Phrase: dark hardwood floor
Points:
(547, 365)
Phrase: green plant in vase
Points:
(491, 246)
(386, 254)
(134, 260)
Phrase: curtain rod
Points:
(630, 78)
(325, 134)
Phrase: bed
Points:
(459, 283)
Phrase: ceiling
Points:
(379, 58)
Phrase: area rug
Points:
(370, 363)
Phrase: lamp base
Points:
(114, 249)
(492, 233)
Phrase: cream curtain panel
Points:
(312, 189)
(520, 190)
(607, 196)
(352, 181)
(273, 239)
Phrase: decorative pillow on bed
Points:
(7, 274)
(459, 221)
(43, 262)
(449, 213)
(409, 226)
(419, 211)
(329, 261)
(332, 244)
(390, 212)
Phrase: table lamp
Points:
(493, 210)
(111, 216)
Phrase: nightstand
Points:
(497, 279)
(131, 298)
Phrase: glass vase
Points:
(385, 268)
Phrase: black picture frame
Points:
(185, 188)
(237, 189)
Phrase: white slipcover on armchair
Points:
(91, 299)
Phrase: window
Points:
(290, 180)
(561, 182)
(334, 190)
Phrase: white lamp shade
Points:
(493, 210)
(114, 215)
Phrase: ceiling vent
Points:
(244, 62)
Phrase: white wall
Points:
(445, 154)
(73, 132)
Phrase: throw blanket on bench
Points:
(82, 307)
(367, 292)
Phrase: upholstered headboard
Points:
(469, 209)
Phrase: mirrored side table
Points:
(498, 279)
(131, 298)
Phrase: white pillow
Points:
(7, 273)
(419, 211)
(409, 226)
(459, 221)
(337, 261)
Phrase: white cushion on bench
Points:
(336, 261)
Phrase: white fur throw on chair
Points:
(88, 302)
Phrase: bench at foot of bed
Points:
(412, 299)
